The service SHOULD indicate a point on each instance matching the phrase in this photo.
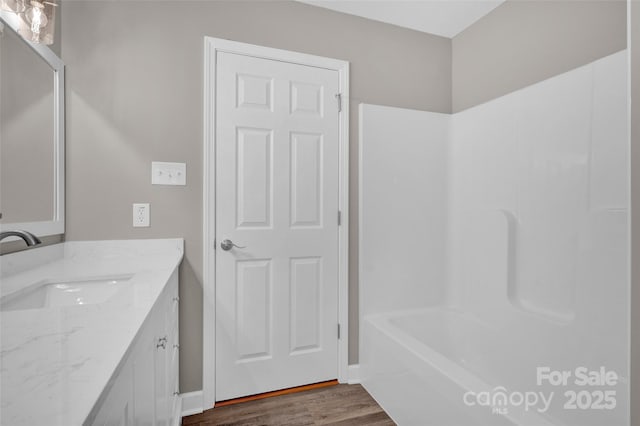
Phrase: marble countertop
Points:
(55, 362)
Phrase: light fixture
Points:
(36, 21)
(15, 6)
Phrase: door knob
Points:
(227, 245)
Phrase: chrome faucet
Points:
(27, 237)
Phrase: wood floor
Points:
(340, 405)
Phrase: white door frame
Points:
(211, 47)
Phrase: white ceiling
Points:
(446, 18)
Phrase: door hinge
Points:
(339, 100)
(339, 218)
(338, 331)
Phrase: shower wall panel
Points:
(402, 208)
(542, 175)
(539, 227)
(495, 245)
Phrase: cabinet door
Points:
(161, 392)
(144, 381)
(117, 409)
(160, 361)
(173, 356)
(145, 391)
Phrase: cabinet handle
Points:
(176, 393)
(162, 343)
(177, 346)
(176, 299)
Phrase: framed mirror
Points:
(31, 134)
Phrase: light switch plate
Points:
(168, 173)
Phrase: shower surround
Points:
(494, 256)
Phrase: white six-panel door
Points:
(277, 188)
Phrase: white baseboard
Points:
(354, 374)
(192, 403)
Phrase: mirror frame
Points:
(56, 226)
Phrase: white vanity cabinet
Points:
(144, 389)
(110, 358)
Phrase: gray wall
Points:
(522, 42)
(134, 95)
(635, 212)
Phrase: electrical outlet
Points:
(140, 215)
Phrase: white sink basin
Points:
(49, 294)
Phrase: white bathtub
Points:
(516, 212)
(421, 365)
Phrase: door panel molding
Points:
(306, 105)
